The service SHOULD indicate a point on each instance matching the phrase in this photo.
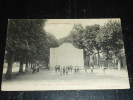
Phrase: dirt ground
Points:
(51, 80)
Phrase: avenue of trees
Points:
(102, 42)
(27, 42)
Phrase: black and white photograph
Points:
(64, 54)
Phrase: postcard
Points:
(64, 54)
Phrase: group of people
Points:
(35, 69)
(65, 70)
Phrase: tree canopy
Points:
(97, 39)
(27, 41)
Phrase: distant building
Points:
(66, 55)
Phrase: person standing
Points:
(92, 62)
(78, 70)
(71, 68)
(64, 70)
(92, 69)
(37, 68)
(61, 71)
(56, 68)
(75, 70)
(34, 69)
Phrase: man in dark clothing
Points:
(56, 68)
(61, 71)
(34, 69)
(64, 69)
(75, 70)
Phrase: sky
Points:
(62, 27)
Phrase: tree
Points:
(91, 41)
(23, 38)
(51, 41)
(83, 38)
(96, 39)
(64, 40)
(34, 34)
(112, 38)
(14, 42)
(76, 35)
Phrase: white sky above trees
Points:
(62, 27)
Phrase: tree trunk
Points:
(98, 59)
(47, 65)
(31, 65)
(119, 63)
(85, 67)
(9, 68)
(114, 62)
(107, 59)
(26, 69)
(87, 61)
(21, 66)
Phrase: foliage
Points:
(94, 39)
(112, 37)
(27, 41)
(90, 39)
